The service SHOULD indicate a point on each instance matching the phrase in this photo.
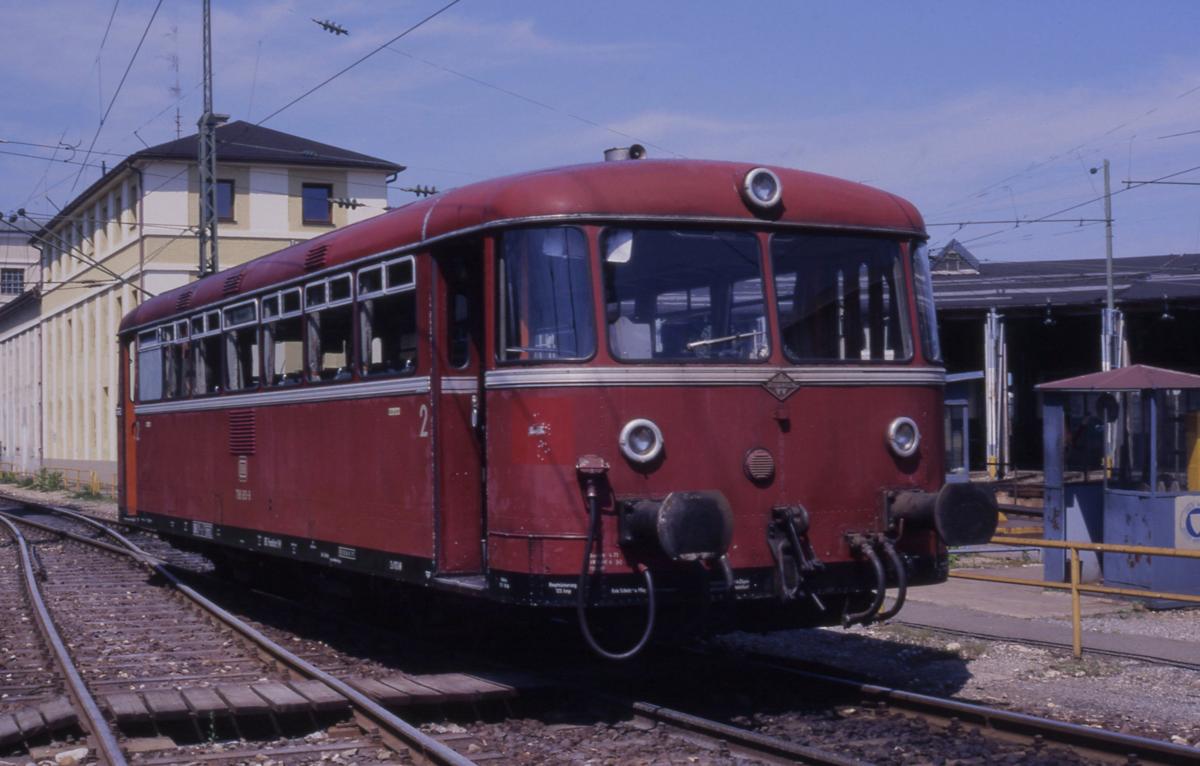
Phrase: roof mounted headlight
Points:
(641, 440)
(903, 437)
(762, 188)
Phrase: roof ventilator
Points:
(233, 283)
(184, 301)
(314, 260)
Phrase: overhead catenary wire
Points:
(117, 92)
(358, 61)
(1078, 205)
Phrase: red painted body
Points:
(475, 473)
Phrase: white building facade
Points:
(132, 235)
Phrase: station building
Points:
(132, 235)
(1006, 327)
(19, 293)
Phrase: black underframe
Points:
(522, 588)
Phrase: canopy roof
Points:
(1137, 377)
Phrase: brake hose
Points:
(582, 592)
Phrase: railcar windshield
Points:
(926, 312)
(841, 298)
(684, 295)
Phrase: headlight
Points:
(903, 437)
(641, 440)
(762, 188)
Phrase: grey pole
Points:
(207, 161)
(1108, 320)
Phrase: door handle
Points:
(474, 410)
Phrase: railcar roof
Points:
(691, 190)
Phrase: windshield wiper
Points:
(725, 339)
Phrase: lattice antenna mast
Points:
(209, 260)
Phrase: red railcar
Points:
(644, 382)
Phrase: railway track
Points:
(139, 659)
(784, 734)
(1033, 735)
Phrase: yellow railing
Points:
(1075, 586)
(75, 479)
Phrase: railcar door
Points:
(458, 397)
(127, 454)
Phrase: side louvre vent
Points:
(315, 259)
(241, 432)
(184, 301)
(233, 283)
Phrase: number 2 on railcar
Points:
(703, 387)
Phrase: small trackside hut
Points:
(703, 388)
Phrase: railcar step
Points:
(472, 583)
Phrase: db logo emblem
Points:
(1191, 523)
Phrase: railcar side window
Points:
(178, 384)
(926, 311)
(241, 346)
(387, 321)
(545, 308)
(206, 353)
(684, 295)
(283, 339)
(841, 298)
(149, 366)
(330, 329)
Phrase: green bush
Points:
(8, 477)
(48, 481)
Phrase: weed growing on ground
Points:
(48, 481)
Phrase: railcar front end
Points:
(747, 418)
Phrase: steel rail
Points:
(96, 725)
(1048, 644)
(412, 737)
(750, 742)
(1058, 732)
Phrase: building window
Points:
(317, 207)
(12, 281)
(224, 199)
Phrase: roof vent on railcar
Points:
(617, 153)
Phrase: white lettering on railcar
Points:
(393, 412)
(273, 543)
(350, 554)
(563, 588)
(503, 584)
(202, 529)
(242, 495)
(395, 566)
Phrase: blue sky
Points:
(974, 111)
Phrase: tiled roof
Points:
(246, 142)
